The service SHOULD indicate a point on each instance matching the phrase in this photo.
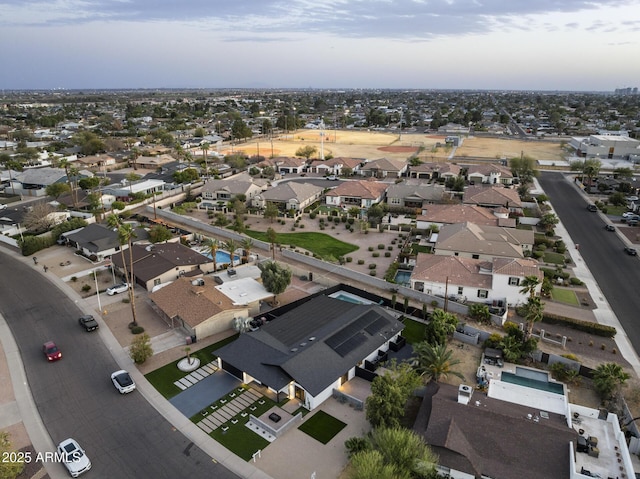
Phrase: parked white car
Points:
(123, 382)
(73, 457)
(117, 288)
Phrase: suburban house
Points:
(414, 194)
(145, 187)
(384, 168)
(289, 195)
(195, 305)
(493, 197)
(490, 174)
(482, 242)
(34, 181)
(335, 166)
(459, 213)
(523, 426)
(284, 164)
(475, 280)
(335, 335)
(359, 193)
(153, 162)
(434, 171)
(216, 194)
(156, 264)
(95, 240)
(96, 161)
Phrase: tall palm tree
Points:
(126, 235)
(213, 245)
(533, 312)
(205, 149)
(435, 361)
(231, 246)
(247, 245)
(529, 285)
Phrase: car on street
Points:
(610, 227)
(73, 457)
(592, 208)
(51, 351)
(123, 382)
(332, 178)
(88, 322)
(117, 288)
(627, 214)
(630, 251)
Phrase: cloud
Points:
(394, 19)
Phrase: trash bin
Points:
(193, 338)
(310, 276)
(188, 338)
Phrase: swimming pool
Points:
(403, 277)
(222, 257)
(349, 298)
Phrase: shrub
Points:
(387, 254)
(349, 259)
(375, 255)
(372, 272)
(370, 248)
(137, 330)
(571, 356)
(575, 282)
(86, 287)
(141, 349)
(380, 246)
(312, 215)
(372, 266)
(390, 248)
(360, 261)
(74, 278)
(580, 325)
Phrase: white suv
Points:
(73, 457)
(117, 288)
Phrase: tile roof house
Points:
(284, 164)
(360, 193)
(384, 168)
(335, 166)
(216, 194)
(196, 306)
(488, 437)
(95, 240)
(34, 181)
(162, 263)
(489, 174)
(492, 197)
(289, 195)
(474, 279)
(412, 194)
(312, 349)
(460, 213)
(154, 162)
(482, 242)
(434, 171)
(96, 161)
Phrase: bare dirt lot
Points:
(376, 144)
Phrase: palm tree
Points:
(608, 379)
(212, 245)
(529, 285)
(247, 245)
(231, 246)
(205, 149)
(435, 361)
(126, 234)
(533, 313)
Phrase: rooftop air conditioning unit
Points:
(464, 394)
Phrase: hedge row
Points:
(579, 325)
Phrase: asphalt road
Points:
(123, 436)
(617, 273)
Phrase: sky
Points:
(574, 45)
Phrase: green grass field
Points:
(322, 427)
(321, 244)
(551, 257)
(565, 296)
(413, 331)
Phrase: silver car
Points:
(117, 288)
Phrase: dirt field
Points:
(375, 144)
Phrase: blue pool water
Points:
(223, 257)
(349, 298)
(403, 277)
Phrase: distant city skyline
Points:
(574, 45)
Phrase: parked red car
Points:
(51, 351)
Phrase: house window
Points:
(475, 256)
(483, 293)
(395, 201)
(460, 289)
(514, 281)
(156, 282)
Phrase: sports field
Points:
(375, 144)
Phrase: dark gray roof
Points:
(493, 437)
(313, 344)
(95, 238)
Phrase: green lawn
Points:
(322, 427)
(551, 257)
(413, 331)
(238, 438)
(164, 377)
(565, 296)
(321, 244)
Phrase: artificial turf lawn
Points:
(320, 244)
(414, 331)
(322, 427)
(565, 296)
(163, 378)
